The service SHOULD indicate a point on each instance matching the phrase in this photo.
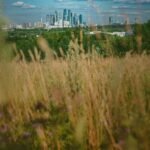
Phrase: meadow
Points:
(81, 101)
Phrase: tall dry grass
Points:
(82, 101)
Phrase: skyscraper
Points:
(110, 20)
(75, 20)
(65, 15)
(47, 18)
(56, 16)
(69, 15)
(71, 19)
(65, 19)
(52, 19)
(80, 19)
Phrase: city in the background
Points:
(56, 19)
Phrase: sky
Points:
(93, 11)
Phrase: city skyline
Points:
(66, 19)
(55, 19)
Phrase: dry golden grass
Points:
(106, 100)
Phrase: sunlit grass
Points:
(82, 101)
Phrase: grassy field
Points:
(80, 102)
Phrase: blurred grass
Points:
(6, 53)
(78, 102)
(6, 50)
(82, 101)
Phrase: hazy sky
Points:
(94, 11)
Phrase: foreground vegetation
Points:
(78, 102)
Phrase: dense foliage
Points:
(105, 45)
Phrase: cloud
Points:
(28, 6)
(23, 5)
(123, 7)
(18, 4)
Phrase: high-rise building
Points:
(80, 19)
(56, 16)
(71, 19)
(110, 20)
(47, 18)
(52, 19)
(65, 15)
(75, 20)
(69, 15)
(66, 19)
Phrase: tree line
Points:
(105, 45)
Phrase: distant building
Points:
(48, 19)
(69, 15)
(19, 26)
(38, 25)
(71, 19)
(75, 20)
(65, 15)
(80, 19)
(52, 19)
(56, 16)
(26, 25)
(120, 34)
(110, 20)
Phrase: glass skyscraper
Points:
(80, 19)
